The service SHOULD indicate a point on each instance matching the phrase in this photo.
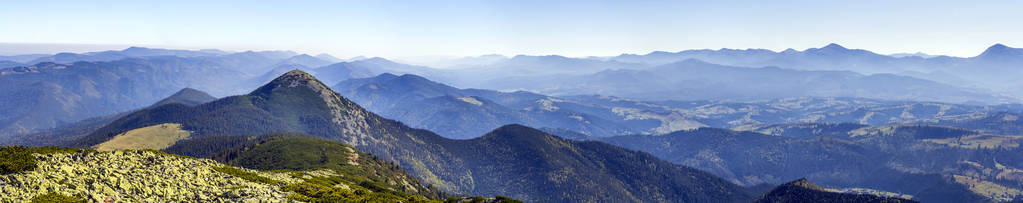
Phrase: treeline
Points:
(303, 152)
(14, 159)
(236, 115)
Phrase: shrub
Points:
(507, 199)
(245, 175)
(14, 159)
(53, 197)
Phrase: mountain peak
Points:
(803, 182)
(805, 191)
(514, 127)
(998, 50)
(328, 57)
(135, 48)
(297, 73)
(302, 56)
(292, 79)
(829, 49)
(517, 132)
(412, 77)
(998, 46)
(834, 46)
(187, 96)
(188, 90)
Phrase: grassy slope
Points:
(303, 152)
(153, 137)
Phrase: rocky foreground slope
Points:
(32, 174)
(141, 175)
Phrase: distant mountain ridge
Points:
(420, 102)
(47, 95)
(71, 87)
(979, 70)
(551, 75)
(872, 133)
(66, 134)
(468, 113)
(697, 80)
(305, 60)
(829, 57)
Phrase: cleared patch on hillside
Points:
(980, 141)
(158, 136)
(471, 101)
(670, 122)
(988, 189)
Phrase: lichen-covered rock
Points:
(137, 176)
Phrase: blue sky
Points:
(572, 28)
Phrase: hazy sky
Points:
(572, 28)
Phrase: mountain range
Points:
(692, 126)
(48, 95)
(684, 78)
(64, 88)
(696, 80)
(68, 133)
(987, 70)
(513, 160)
(844, 151)
(466, 113)
(880, 162)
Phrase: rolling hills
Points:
(930, 163)
(423, 103)
(804, 191)
(467, 113)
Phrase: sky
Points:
(467, 28)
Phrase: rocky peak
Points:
(349, 116)
(294, 79)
